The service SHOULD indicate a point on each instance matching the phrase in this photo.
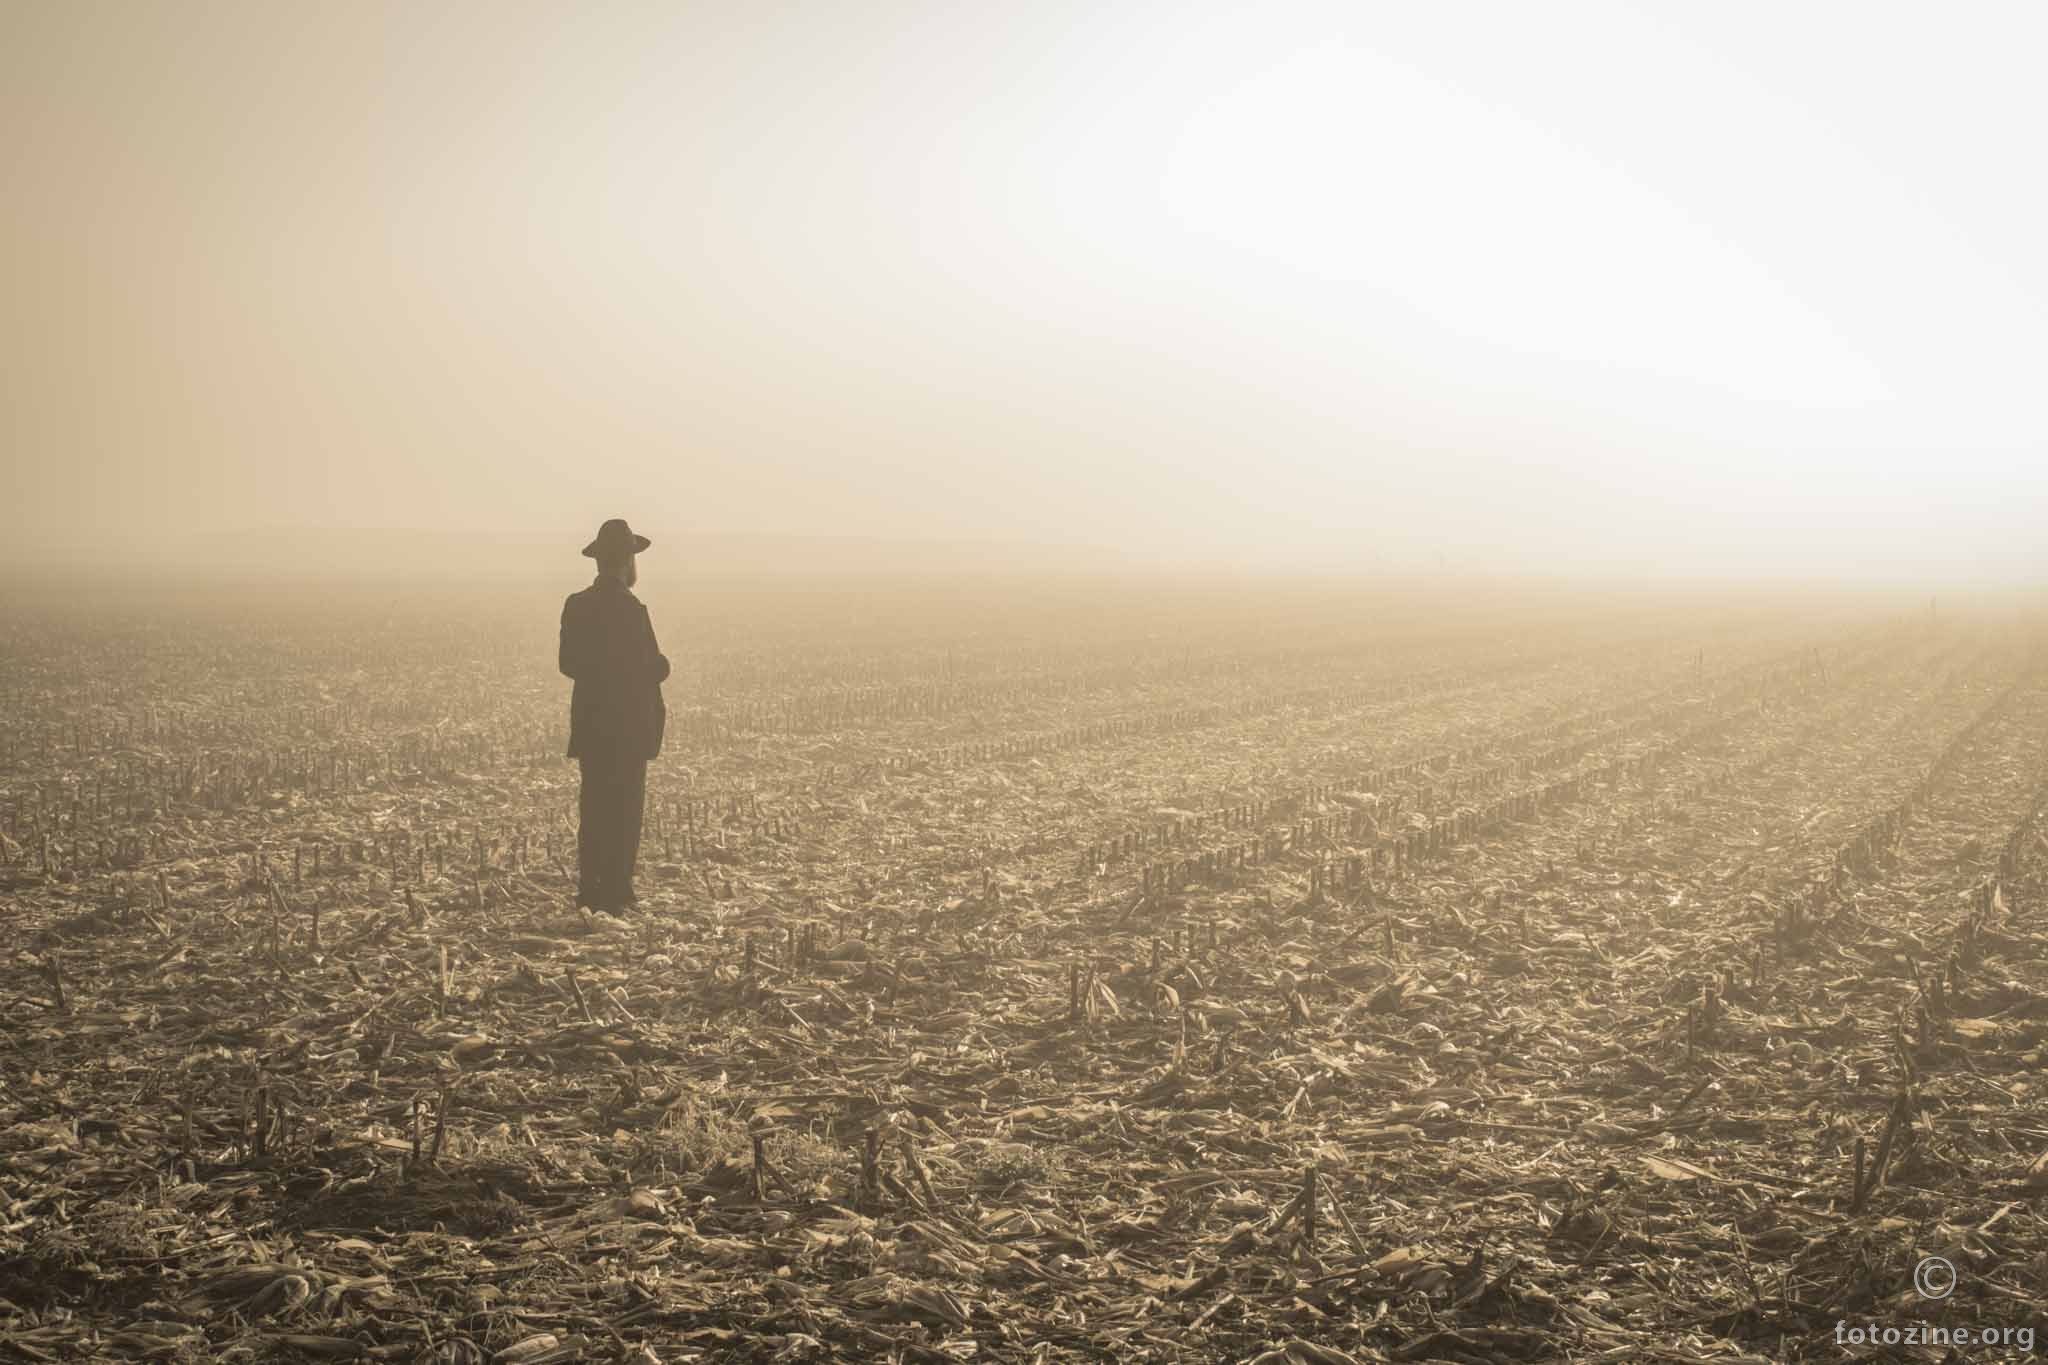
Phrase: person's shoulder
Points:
(605, 599)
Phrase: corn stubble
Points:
(1236, 979)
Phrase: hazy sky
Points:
(1653, 287)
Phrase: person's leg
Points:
(632, 806)
(586, 833)
(594, 835)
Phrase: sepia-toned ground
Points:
(1025, 972)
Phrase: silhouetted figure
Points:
(616, 715)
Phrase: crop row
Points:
(1396, 850)
(1877, 842)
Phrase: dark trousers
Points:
(608, 844)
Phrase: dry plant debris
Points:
(1289, 979)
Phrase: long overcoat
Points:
(615, 709)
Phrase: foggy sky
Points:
(1664, 290)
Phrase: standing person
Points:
(616, 715)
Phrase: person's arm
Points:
(660, 659)
(571, 654)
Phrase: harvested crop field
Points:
(1058, 973)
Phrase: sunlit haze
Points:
(1663, 291)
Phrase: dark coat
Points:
(608, 647)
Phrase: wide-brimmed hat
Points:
(616, 538)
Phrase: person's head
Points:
(624, 567)
(615, 550)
